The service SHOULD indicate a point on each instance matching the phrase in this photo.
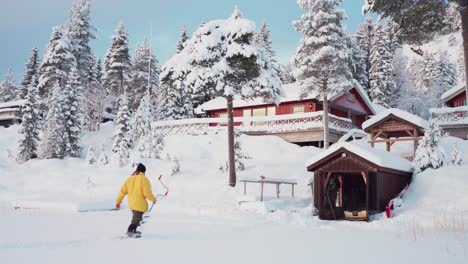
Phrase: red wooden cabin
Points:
(353, 104)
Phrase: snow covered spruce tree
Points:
(57, 62)
(174, 102)
(141, 125)
(29, 131)
(91, 156)
(122, 138)
(222, 57)
(421, 20)
(53, 132)
(287, 74)
(357, 61)
(8, 89)
(94, 98)
(182, 39)
(364, 36)
(263, 39)
(72, 114)
(31, 69)
(117, 64)
(143, 62)
(382, 83)
(321, 60)
(81, 32)
(430, 153)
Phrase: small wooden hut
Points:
(395, 125)
(353, 181)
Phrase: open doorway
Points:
(346, 194)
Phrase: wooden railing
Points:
(446, 116)
(265, 124)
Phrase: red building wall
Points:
(458, 100)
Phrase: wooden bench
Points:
(263, 180)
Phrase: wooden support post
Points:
(277, 190)
(415, 144)
(261, 191)
(245, 188)
(372, 138)
(310, 185)
(388, 146)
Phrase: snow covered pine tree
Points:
(223, 56)
(321, 60)
(30, 124)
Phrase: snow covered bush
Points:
(456, 156)
(175, 167)
(91, 156)
(430, 153)
(122, 138)
(103, 159)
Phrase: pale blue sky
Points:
(25, 24)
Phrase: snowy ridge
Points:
(398, 113)
(377, 156)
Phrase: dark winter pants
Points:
(136, 219)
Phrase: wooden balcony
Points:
(453, 120)
(296, 128)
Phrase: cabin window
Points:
(222, 115)
(351, 97)
(259, 112)
(298, 109)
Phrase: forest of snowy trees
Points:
(70, 88)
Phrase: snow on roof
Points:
(292, 92)
(452, 92)
(398, 113)
(356, 133)
(379, 157)
(12, 103)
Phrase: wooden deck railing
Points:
(448, 116)
(265, 124)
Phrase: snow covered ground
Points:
(204, 221)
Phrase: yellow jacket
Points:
(138, 188)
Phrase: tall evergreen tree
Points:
(263, 38)
(117, 64)
(94, 98)
(30, 124)
(31, 69)
(364, 37)
(8, 89)
(122, 138)
(57, 62)
(72, 114)
(382, 81)
(182, 39)
(53, 140)
(444, 78)
(143, 62)
(81, 32)
(287, 75)
(357, 61)
(222, 56)
(452, 19)
(321, 60)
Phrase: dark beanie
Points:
(141, 168)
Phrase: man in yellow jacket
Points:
(138, 188)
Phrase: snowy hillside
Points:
(202, 217)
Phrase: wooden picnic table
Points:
(263, 180)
